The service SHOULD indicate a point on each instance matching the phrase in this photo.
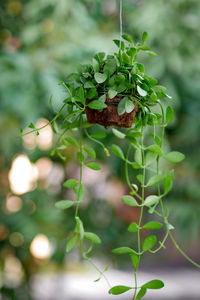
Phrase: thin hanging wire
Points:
(120, 18)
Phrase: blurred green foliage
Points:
(43, 41)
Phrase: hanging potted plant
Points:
(114, 90)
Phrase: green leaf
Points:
(89, 85)
(31, 125)
(64, 204)
(92, 237)
(152, 225)
(150, 156)
(151, 53)
(141, 92)
(72, 141)
(79, 227)
(100, 77)
(100, 56)
(144, 37)
(140, 178)
(123, 250)
(118, 133)
(70, 183)
(133, 227)
(149, 242)
(155, 180)
(119, 289)
(155, 148)
(71, 243)
(129, 105)
(80, 193)
(102, 98)
(127, 38)
(95, 65)
(151, 200)
(117, 43)
(112, 93)
(92, 93)
(80, 157)
(169, 114)
(154, 285)
(126, 59)
(110, 67)
(117, 151)
(99, 135)
(141, 293)
(90, 152)
(129, 200)
(135, 260)
(121, 106)
(138, 156)
(93, 165)
(174, 157)
(168, 181)
(97, 104)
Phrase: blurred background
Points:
(41, 42)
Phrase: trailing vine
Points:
(122, 78)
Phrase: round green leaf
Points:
(141, 293)
(149, 242)
(92, 237)
(70, 183)
(129, 200)
(169, 114)
(121, 106)
(99, 135)
(129, 106)
(118, 133)
(123, 250)
(93, 165)
(64, 204)
(141, 92)
(112, 93)
(174, 157)
(154, 284)
(152, 225)
(151, 200)
(71, 243)
(90, 152)
(119, 289)
(133, 227)
(97, 104)
(117, 151)
(100, 77)
(155, 179)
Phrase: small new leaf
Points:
(123, 250)
(133, 227)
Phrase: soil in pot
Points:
(109, 115)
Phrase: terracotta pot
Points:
(109, 116)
